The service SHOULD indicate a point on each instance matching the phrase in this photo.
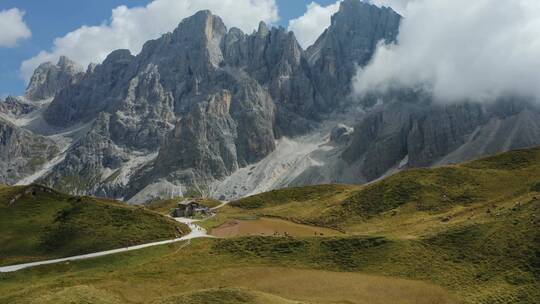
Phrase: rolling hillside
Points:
(467, 233)
(38, 223)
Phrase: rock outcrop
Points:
(49, 79)
(15, 107)
(90, 162)
(217, 109)
(22, 153)
(412, 130)
(349, 42)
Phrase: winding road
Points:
(196, 232)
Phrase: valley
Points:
(194, 156)
(470, 241)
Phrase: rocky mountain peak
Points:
(118, 57)
(350, 41)
(48, 79)
(66, 63)
(203, 24)
(263, 29)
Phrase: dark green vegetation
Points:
(38, 223)
(465, 233)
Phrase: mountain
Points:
(349, 42)
(22, 153)
(48, 79)
(414, 131)
(218, 112)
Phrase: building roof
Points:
(187, 202)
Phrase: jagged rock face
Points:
(415, 131)
(146, 114)
(441, 130)
(22, 152)
(48, 79)
(341, 134)
(181, 73)
(82, 171)
(349, 42)
(204, 102)
(219, 135)
(274, 58)
(15, 107)
(202, 142)
(97, 91)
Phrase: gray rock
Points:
(22, 153)
(49, 79)
(420, 132)
(15, 107)
(341, 134)
(349, 42)
(82, 171)
(202, 102)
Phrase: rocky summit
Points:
(225, 113)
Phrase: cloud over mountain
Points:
(310, 26)
(14, 29)
(317, 18)
(129, 28)
(461, 49)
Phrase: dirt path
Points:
(196, 232)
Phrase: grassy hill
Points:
(442, 195)
(38, 223)
(467, 233)
(473, 227)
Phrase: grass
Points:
(425, 194)
(492, 262)
(225, 296)
(43, 224)
(466, 233)
(179, 274)
(269, 226)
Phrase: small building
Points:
(189, 208)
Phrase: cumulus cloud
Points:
(317, 18)
(312, 24)
(14, 29)
(397, 5)
(461, 49)
(129, 28)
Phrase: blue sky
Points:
(50, 19)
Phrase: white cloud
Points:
(397, 5)
(308, 27)
(460, 49)
(129, 28)
(13, 27)
(317, 18)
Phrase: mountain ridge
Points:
(217, 111)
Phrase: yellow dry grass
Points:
(269, 226)
(338, 287)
